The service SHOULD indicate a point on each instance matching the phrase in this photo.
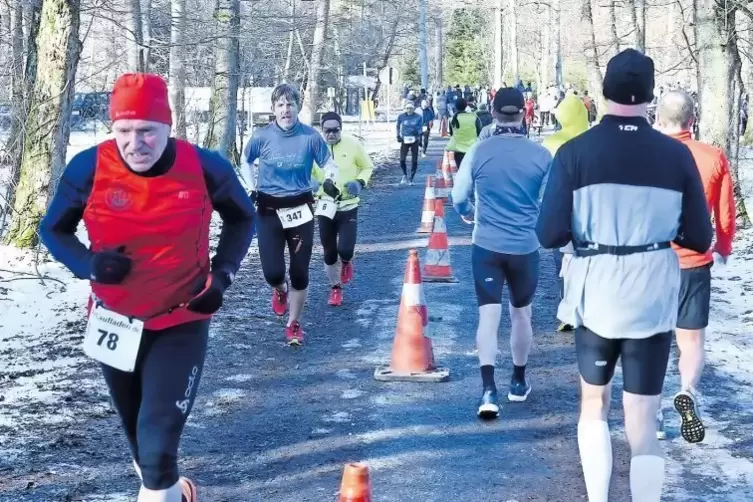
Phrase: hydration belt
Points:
(585, 249)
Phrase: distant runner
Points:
(409, 128)
(338, 220)
(287, 151)
(675, 115)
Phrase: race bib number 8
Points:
(326, 208)
(409, 140)
(295, 216)
(113, 339)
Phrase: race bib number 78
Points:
(113, 339)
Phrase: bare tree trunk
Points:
(592, 59)
(311, 102)
(613, 26)
(178, 66)
(718, 65)
(546, 45)
(47, 126)
(291, 37)
(134, 37)
(513, 17)
(638, 14)
(146, 34)
(439, 51)
(224, 102)
(423, 56)
(386, 55)
(498, 44)
(557, 40)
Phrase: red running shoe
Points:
(336, 296)
(294, 334)
(279, 302)
(346, 273)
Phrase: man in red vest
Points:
(146, 200)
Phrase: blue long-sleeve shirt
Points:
(428, 115)
(66, 210)
(507, 173)
(286, 158)
(409, 125)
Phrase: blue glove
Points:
(315, 185)
(354, 187)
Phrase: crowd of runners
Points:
(621, 204)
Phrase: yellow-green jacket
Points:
(353, 163)
(573, 117)
(466, 135)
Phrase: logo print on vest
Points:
(118, 199)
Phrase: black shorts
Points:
(644, 361)
(491, 270)
(695, 297)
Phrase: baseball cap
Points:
(629, 79)
(508, 101)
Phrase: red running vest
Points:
(163, 222)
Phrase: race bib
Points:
(113, 339)
(326, 208)
(409, 140)
(292, 217)
(426, 128)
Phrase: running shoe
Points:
(488, 408)
(294, 334)
(279, 302)
(403, 180)
(519, 391)
(692, 429)
(346, 273)
(564, 328)
(336, 296)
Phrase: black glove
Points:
(208, 298)
(330, 188)
(110, 267)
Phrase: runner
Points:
(409, 126)
(338, 221)
(428, 116)
(674, 117)
(507, 172)
(464, 129)
(574, 119)
(287, 151)
(621, 212)
(146, 200)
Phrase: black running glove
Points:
(330, 188)
(208, 299)
(110, 267)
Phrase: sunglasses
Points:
(333, 131)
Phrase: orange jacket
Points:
(717, 184)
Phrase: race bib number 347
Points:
(295, 216)
(409, 140)
(113, 339)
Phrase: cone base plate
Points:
(385, 374)
(449, 280)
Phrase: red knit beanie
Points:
(140, 96)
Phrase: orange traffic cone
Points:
(440, 190)
(427, 214)
(443, 127)
(447, 161)
(437, 267)
(356, 485)
(412, 351)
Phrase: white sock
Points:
(138, 469)
(595, 445)
(646, 478)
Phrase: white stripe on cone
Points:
(439, 226)
(437, 258)
(427, 216)
(412, 295)
(429, 193)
